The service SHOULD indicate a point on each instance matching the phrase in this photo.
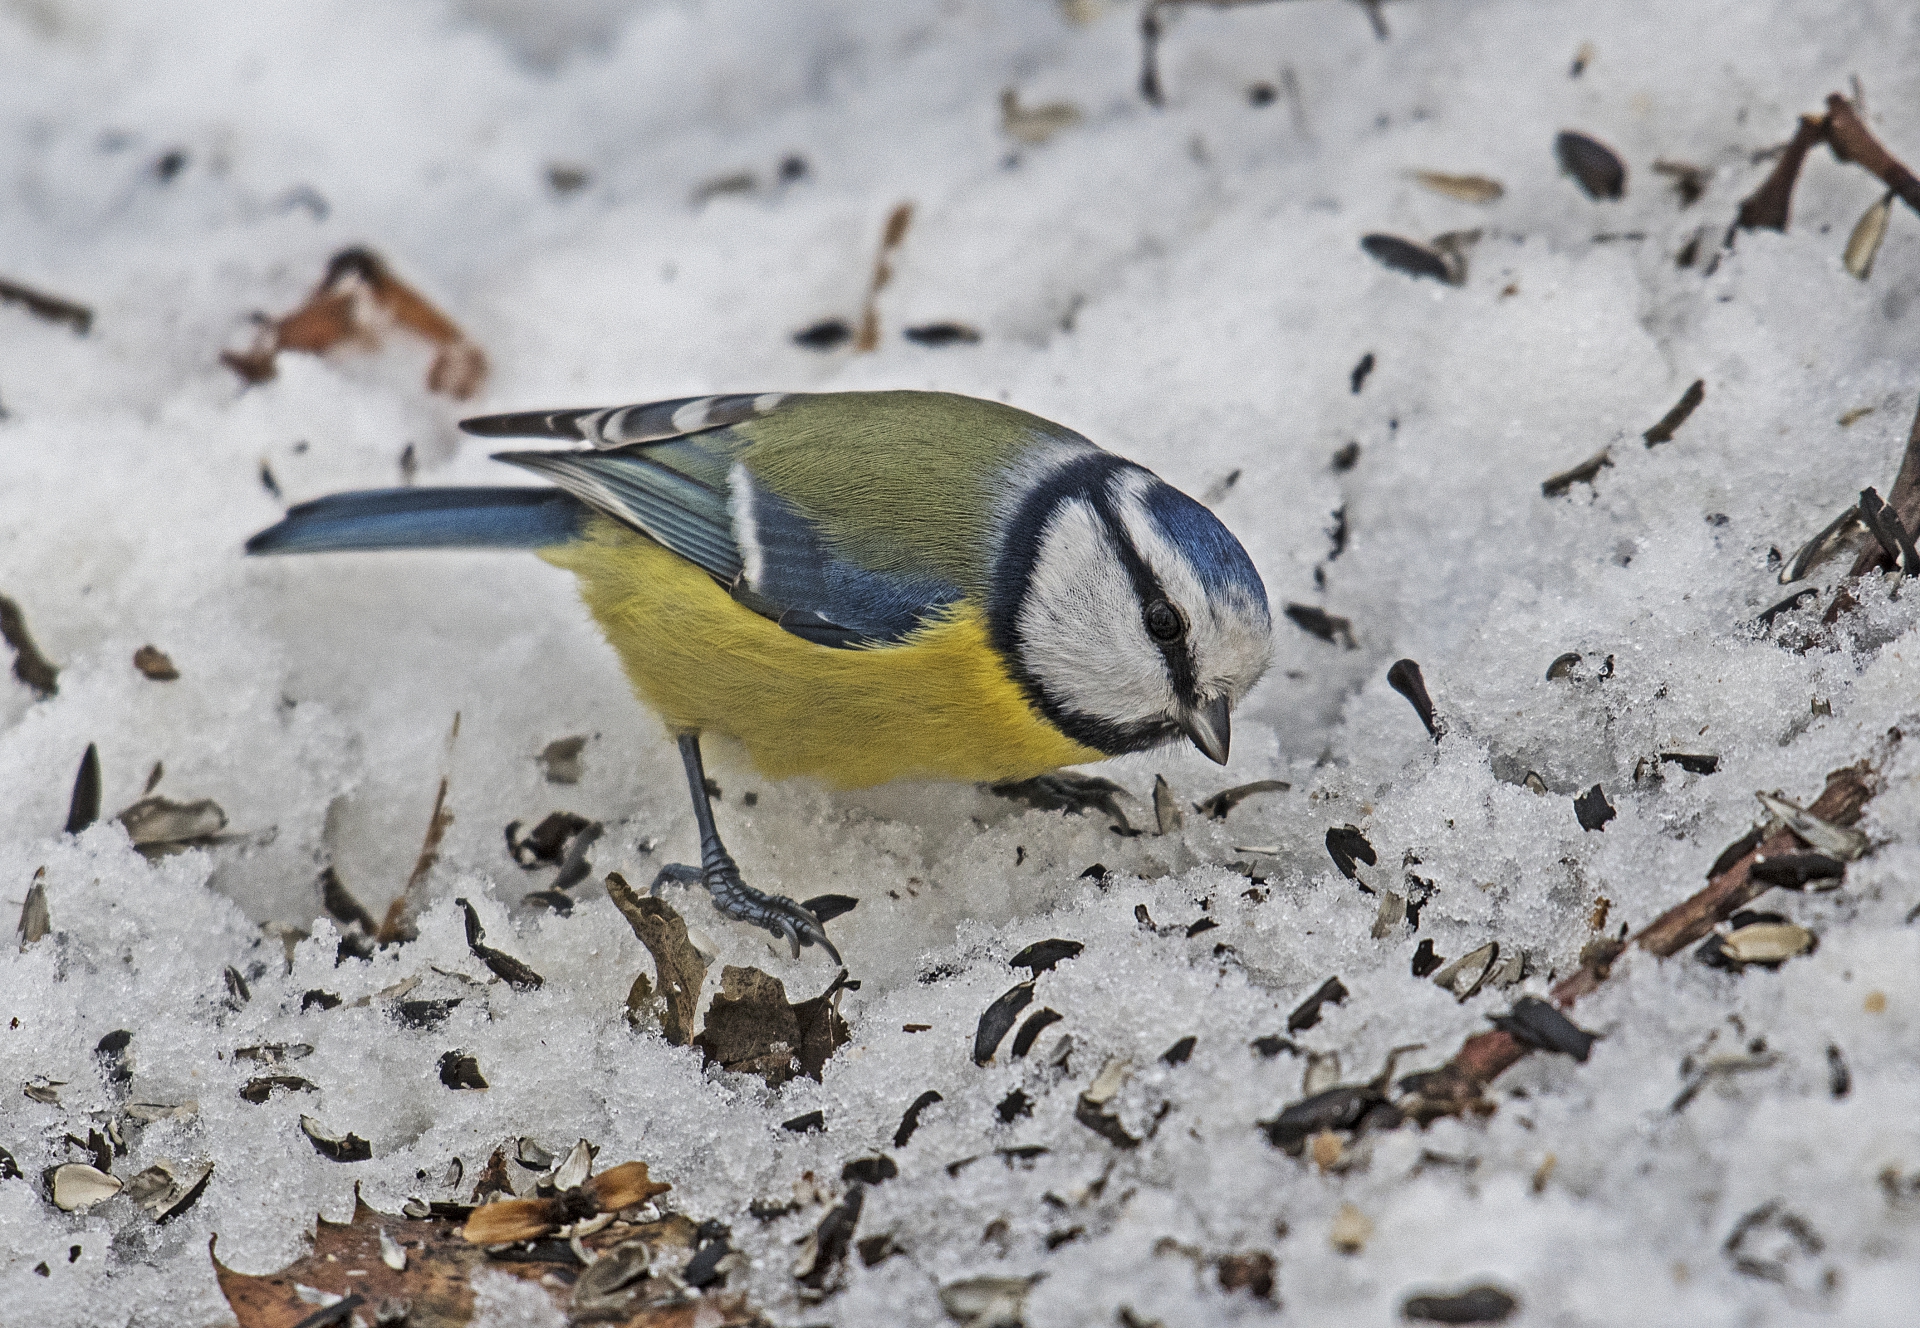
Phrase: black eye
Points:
(1164, 622)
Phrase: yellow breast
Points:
(938, 705)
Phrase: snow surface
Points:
(1184, 285)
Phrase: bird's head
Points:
(1128, 612)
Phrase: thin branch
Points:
(1456, 1087)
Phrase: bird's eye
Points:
(1164, 622)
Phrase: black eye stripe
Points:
(1147, 587)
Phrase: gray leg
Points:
(731, 895)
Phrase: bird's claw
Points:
(791, 921)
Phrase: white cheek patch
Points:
(1229, 639)
(1080, 628)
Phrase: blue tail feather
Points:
(464, 518)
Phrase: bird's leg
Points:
(718, 872)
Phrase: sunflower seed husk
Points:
(1596, 167)
(155, 822)
(1767, 942)
(1843, 842)
(1864, 243)
(76, 1187)
(1822, 546)
(573, 1172)
(1166, 807)
(346, 1148)
(35, 920)
(1464, 976)
(1463, 188)
(987, 1302)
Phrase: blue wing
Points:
(672, 471)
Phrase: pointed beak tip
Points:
(1210, 729)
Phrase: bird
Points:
(859, 587)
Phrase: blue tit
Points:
(861, 586)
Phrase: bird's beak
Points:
(1209, 728)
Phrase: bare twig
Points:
(1848, 136)
(1766, 207)
(357, 300)
(1456, 1087)
(1843, 131)
(896, 231)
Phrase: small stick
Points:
(50, 307)
(1848, 136)
(1766, 207)
(896, 231)
(1689, 402)
(1455, 1088)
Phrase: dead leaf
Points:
(680, 970)
(751, 1029)
(356, 303)
(350, 1271)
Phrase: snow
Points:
(1184, 285)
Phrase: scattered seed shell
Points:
(76, 1187)
(1390, 915)
(29, 665)
(987, 1302)
(910, 1121)
(997, 1020)
(261, 1088)
(1351, 1230)
(153, 663)
(1864, 241)
(1592, 809)
(167, 1189)
(1462, 188)
(83, 808)
(1465, 975)
(1030, 1031)
(1405, 678)
(1595, 167)
(1538, 1024)
(161, 823)
(870, 1170)
(1416, 260)
(35, 919)
(1346, 845)
(1480, 1304)
(346, 1148)
(1843, 842)
(1689, 402)
(575, 1169)
(1769, 944)
(1166, 807)
(1319, 623)
(1218, 806)
(1584, 473)
(1034, 125)
(1041, 956)
(1307, 1013)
